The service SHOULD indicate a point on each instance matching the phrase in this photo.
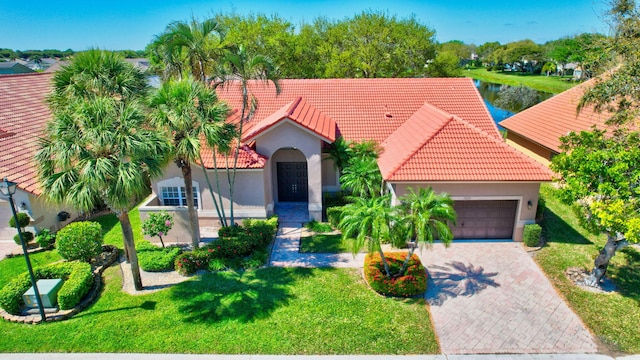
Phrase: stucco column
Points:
(314, 173)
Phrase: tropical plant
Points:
(340, 152)
(98, 148)
(45, 238)
(158, 224)
(193, 46)
(238, 66)
(423, 217)
(367, 220)
(190, 112)
(362, 177)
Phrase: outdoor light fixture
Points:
(529, 204)
(8, 188)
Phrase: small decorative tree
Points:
(23, 220)
(158, 224)
(80, 241)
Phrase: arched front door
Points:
(292, 182)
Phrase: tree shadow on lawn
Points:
(243, 296)
(628, 276)
(558, 230)
(456, 279)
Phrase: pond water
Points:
(489, 92)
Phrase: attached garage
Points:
(485, 219)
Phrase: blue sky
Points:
(116, 24)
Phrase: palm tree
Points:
(368, 222)
(362, 177)
(193, 46)
(239, 66)
(98, 148)
(190, 111)
(425, 216)
(340, 152)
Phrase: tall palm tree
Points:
(189, 111)
(98, 148)
(194, 46)
(340, 152)
(239, 66)
(368, 222)
(425, 216)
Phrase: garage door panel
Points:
(485, 219)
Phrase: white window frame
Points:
(179, 184)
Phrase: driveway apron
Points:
(491, 297)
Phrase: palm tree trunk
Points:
(193, 216)
(130, 248)
(232, 179)
(412, 249)
(614, 243)
(213, 196)
(223, 220)
(384, 262)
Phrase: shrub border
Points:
(91, 296)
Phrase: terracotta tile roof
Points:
(436, 146)
(547, 121)
(368, 109)
(247, 159)
(23, 112)
(300, 112)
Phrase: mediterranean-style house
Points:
(23, 115)
(536, 131)
(433, 132)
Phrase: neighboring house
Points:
(23, 115)
(434, 132)
(536, 131)
(12, 67)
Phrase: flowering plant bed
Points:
(412, 282)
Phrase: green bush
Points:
(413, 282)
(78, 280)
(45, 238)
(318, 227)
(23, 220)
(542, 206)
(26, 235)
(227, 231)
(80, 241)
(532, 234)
(333, 215)
(332, 199)
(245, 249)
(153, 258)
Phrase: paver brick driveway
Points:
(491, 297)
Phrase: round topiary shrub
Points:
(80, 241)
(23, 220)
(26, 235)
(413, 282)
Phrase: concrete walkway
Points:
(485, 297)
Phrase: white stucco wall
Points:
(522, 192)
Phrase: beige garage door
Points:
(485, 219)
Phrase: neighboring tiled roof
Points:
(368, 109)
(436, 146)
(547, 121)
(24, 112)
(300, 112)
(247, 159)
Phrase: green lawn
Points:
(324, 243)
(267, 311)
(551, 84)
(614, 318)
(264, 311)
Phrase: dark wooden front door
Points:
(292, 182)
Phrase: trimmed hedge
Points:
(80, 241)
(237, 246)
(153, 258)
(413, 282)
(532, 234)
(78, 280)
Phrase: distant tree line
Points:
(35, 55)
